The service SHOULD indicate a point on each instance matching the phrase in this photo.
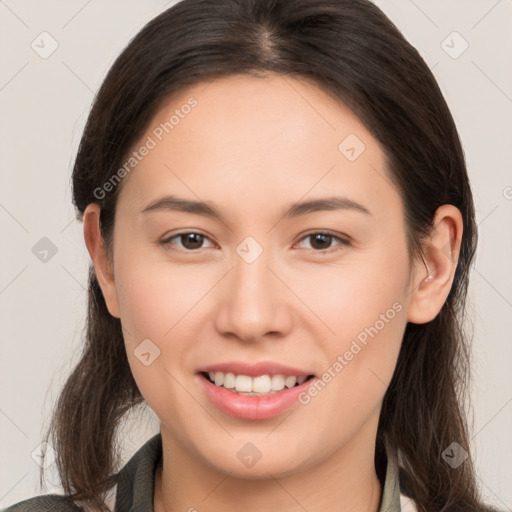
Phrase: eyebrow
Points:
(174, 203)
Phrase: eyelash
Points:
(343, 242)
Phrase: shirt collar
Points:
(391, 491)
(136, 480)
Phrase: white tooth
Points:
(243, 383)
(277, 382)
(229, 380)
(261, 384)
(289, 382)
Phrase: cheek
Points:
(350, 298)
(159, 302)
(156, 297)
(363, 352)
(361, 361)
(364, 311)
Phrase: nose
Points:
(253, 302)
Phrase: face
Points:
(254, 283)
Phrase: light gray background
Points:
(44, 104)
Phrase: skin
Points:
(252, 147)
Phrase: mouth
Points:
(261, 385)
(256, 397)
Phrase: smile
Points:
(253, 398)
(254, 386)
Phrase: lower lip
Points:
(252, 407)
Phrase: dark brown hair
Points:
(353, 52)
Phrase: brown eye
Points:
(188, 241)
(322, 242)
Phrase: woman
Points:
(277, 208)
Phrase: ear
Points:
(102, 265)
(441, 256)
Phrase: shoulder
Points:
(407, 504)
(45, 503)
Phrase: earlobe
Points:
(436, 266)
(102, 266)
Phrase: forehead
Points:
(244, 137)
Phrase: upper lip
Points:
(255, 369)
